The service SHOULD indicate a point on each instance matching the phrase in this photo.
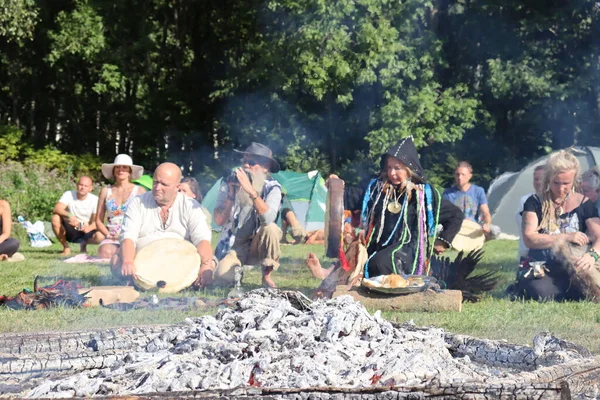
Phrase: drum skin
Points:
(334, 218)
(470, 236)
(169, 265)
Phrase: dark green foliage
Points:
(327, 84)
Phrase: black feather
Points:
(456, 274)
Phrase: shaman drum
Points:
(334, 218)
(470, 236)
(169, 265)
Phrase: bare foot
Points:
(66, 252)
(3, 257)
(266, 279)
(314, 265)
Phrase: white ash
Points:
(265, 341)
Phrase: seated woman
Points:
(114, 200)
(8, 245)
(559, 214)
(190, 187)
(400, 211)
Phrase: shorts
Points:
(75, 236)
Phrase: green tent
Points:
(144, 181)
(304, 192)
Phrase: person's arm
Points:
(101, 213)
(61, 209)
(592, 224)
(128, 253)
(130, 232)
(205, 275)
(225, 200)
(535, 240)
(451, 218)
(90, 226)
(272, 203)
(6, 220)
(259, 204)
(484, 211)
(200, 235)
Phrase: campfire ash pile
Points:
(271, 339)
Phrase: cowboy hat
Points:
(470, 236)
(260, 150)
(122, 159)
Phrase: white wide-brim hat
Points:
(122, 159)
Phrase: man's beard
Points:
(259, 179)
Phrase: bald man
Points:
(74, 216)
(164, 213)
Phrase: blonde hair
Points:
(558, 162)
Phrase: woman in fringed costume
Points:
(400, 216)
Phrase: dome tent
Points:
(305, 194)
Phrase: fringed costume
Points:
(400, 222)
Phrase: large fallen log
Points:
(428, 301)
(78, 342)
(470, 390)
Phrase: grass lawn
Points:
(494, 317)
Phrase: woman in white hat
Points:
(114, 200)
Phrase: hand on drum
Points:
(127, 269)
(578, 238)
(205, 275)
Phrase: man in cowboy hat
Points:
(73, 217)
(249, 203)
(160, 214)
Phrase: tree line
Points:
(327, 84)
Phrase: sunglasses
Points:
(250, 162)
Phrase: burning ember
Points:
(271, 339)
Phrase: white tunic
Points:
(143, 225)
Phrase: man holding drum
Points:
(248, 203)
(160, 214)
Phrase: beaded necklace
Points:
(426, 222)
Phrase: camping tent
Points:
(145, 181)
(505, 191)
(305, 191)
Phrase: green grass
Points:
(494, 317)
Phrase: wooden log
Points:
(430, 301)
(468, 390)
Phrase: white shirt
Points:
(143, 225)
(523, 250)
(81, 209)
